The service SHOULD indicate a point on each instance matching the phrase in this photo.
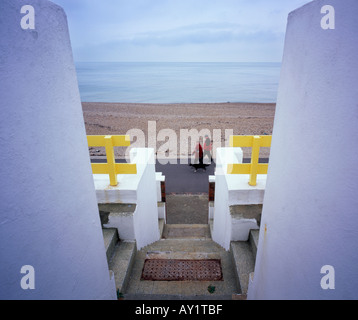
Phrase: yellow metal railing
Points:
(111, 167)
(254, 168)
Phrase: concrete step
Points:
(211, 224)
(254, 241)
(121, 263)
(182, 255)
(116, 209)
(161, 224)
(244, 263)
(184, 242)
(110, 237)
(120, 256)
(139, 296)
(182, 248)
(186, 231)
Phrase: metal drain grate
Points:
(182, 270)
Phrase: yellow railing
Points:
(254, 168)
(111, 167)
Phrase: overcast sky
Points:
(178, 30)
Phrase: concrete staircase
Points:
(120, 257)
(244, 258)
(181, 242)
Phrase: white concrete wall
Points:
(222, 219)
(233, 190)
(139, 189)
(222, 223)
(161, 205)
(310, 208)
(211, 204)
(159, 178)
(127, 189)
(124, 223)
(48, 211)
(146, 216)
(162, 211)
(240, 228)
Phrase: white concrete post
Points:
(51, 244)
(308, 238)
(139, 189)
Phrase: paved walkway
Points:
(181, 178)
(187, 208)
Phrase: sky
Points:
(178, 30)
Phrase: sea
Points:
(178, 82)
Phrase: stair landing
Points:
(183, 242)
(186, 231)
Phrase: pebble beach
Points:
(120, 118)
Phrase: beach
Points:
(123, 118)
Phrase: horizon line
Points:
(92, 61)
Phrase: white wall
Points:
(146, 216)
(161, 205)
(310, 208)
(140, 189)
(222, 219)
(48, 211)
(222, 223)
(211, 204)
(231, 190)
(124, 223)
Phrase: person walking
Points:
(208, 146)
(198, 162)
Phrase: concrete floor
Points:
(138, 289)
(187, 208)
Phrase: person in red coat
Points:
(198, 156)
(208, 146)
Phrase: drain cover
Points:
(182, 270)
